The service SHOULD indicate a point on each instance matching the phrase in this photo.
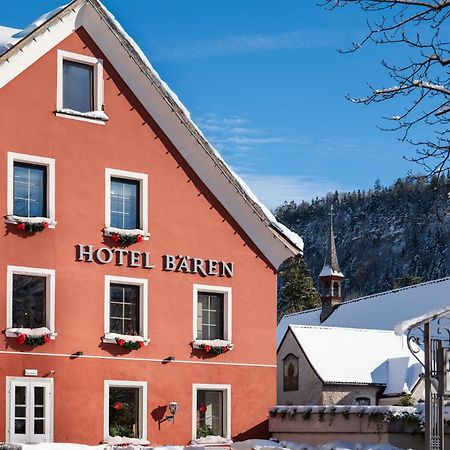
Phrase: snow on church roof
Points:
(350, 355)
(379, 311)
(8, 41)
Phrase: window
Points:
(126, 308)
(126, 202)
(31, 300)
(335, 289)
(212, 313)
(31, 189)
(211, 411)
(290, 373)
(80, 87)
(362, 401)
(125, 409)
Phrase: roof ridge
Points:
(379, 294)
(370, 330)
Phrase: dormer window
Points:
(80, 88)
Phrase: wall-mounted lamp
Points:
(173, 408)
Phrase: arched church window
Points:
(335, 289)
(290, 373)
(362, 401)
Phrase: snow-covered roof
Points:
(350, 355)
(7, 38)
(430, 316)
(328, 271)
(291, 243)
(379, 311)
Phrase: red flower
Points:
(115, 237)
(207, 348)
(141, 344)
(202, 409)
(118, 406)
(20, 226)
(47, 338)
(139, 238)
(120, 342)
(45, 224)
(21, 338)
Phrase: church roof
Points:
(20, 48)
(331, 264)
(359, 356)
(379, 311)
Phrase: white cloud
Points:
(274, 190)
(240, 44)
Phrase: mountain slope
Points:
(384, 237)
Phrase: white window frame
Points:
(49, 274)
(227, 311)
(10, 382)
(226, 388)
(49, 164)
(142, 385)
(98, 94)
(142, 178)
(110, 338)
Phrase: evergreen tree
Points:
(296, 291)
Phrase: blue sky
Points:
(266, 84)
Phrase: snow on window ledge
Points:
(211, 440)
(12, 219)
(110, 338)
(14, 332)
(198, 343)
(122, 441)
(109, 231)
(90, 116)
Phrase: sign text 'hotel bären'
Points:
(170, 263)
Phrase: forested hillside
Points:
(386, 237)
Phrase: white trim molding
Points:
(226, 389)
(95, 116)
(110, 338)
(28, 383)
(227, 310)
(142, 178)
(49, 164)
(142, 386)
(49, 274)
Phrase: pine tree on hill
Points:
(296, 291)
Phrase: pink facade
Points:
(77, 367)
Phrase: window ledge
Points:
(14, 332)
(110, 338)
(211, 441)
(122, 441)
(16, 219)
(98, 117)
(109, 231)
(198, 343)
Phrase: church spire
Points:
(330, 277)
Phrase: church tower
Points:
(330, 277)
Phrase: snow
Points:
(350, 355)
(293, 237)
(328, 271)
(406, 325)
(29, 331)
(346, 445)
(65, 446)
(379, 311)
(212, 343)
(391, 411)
(11, 36)
(118, 440)
(96, 115)
(211, 440)
(113, 336)
(250, 444)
